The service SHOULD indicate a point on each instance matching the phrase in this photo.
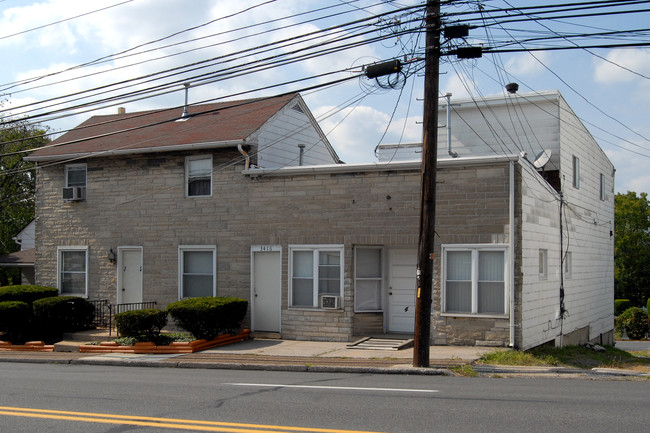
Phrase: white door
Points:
(266, 290)
(401, 290)
(129, 275)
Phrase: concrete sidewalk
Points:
(273, 354)
(312, 356)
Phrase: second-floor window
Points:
(75, 175)
(198, 176)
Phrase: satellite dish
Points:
(542, 158)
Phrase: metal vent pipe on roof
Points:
(185, 113)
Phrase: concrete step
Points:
(68, 346)
(100, 334)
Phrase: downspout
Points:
(511, 235)
(243, 152)
(449, 151)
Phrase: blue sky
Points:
(609, 90)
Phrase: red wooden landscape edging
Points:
(140, 348)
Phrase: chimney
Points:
(121, 110)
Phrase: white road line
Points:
(345, 388)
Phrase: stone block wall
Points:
(140, 201)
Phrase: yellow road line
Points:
(171, 423)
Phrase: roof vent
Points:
(298, 108)
(185, 114)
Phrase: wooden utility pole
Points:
(422, 330)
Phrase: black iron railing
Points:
(102, 313)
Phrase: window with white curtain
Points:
(315, 270)
(368, 279)
(197, 276)
(198, 176)
(73, 270)
(474, 279)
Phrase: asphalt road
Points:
(75, 398)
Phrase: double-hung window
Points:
(474, 279)
(75, 175)
(315, 271)
(368, 279)
(198, 176)
(197, 271)
(73, 270)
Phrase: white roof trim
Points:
(375, 166)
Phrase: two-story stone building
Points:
(249, 199)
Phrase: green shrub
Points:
(207, 317)
(27, 294)
(144, 325)
(15, 318)
(620, 305)
(54, 316)
(647, 307)
(634, 321)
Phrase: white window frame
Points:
(576, 172)
(568, 265)
(602, 187)
(59, 269)
(316, 250)
(181, 257)
(68, 167)
(475, 250)
(188, 161)
(379, 279)
(543, 264)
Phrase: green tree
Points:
(17, 182)
(632, 247)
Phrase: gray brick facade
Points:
(140, 201)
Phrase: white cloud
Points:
(614, 70)
(631, 171)
(527, 64)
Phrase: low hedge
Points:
(634, 321)
(63, 314)
(208, 317)
(620, 305)
(143, 325)
(15, 320)
(27, 294)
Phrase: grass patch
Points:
(572, 356)
(162, 339)
(465, 370)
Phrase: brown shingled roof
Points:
(159, 129)
(19, 258)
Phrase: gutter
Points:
(374, 166)
(136, 151)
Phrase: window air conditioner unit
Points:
(74, 193)
(330, 302)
